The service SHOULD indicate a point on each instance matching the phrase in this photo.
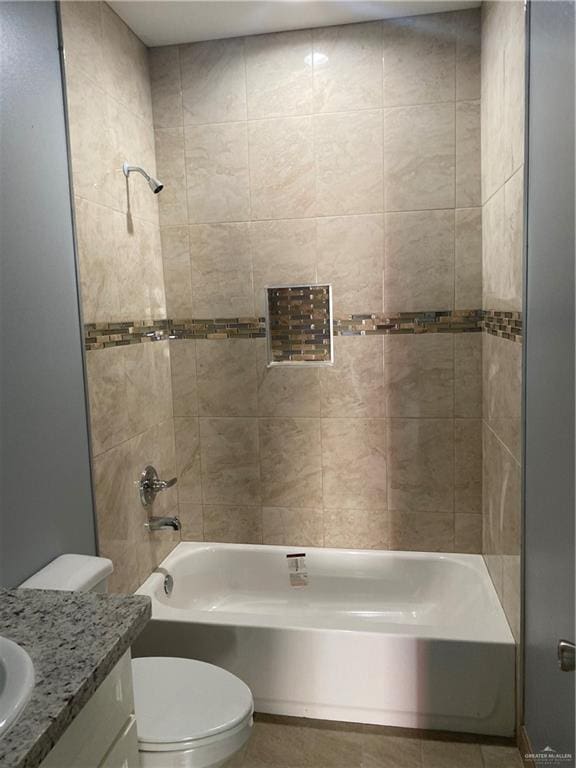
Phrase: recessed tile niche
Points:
(299, 325)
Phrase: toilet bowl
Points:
(188, 714)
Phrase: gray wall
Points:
(45, 488)
(549, 377)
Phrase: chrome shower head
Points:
(155, 185)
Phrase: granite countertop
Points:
(74, 639)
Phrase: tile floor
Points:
(295, 743)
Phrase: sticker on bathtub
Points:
(297, 569)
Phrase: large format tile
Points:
(356, 282)
(468, 533)
(422, 531)
(283, 253)
(221, 270)
(468, 262)
(348, 67)
(502, 389)
(166, 86)
(493, 106)
(148, 385)
(513, 235)
(353, 386)
(227, 381)
(192, 520)
(230, 461)
(177, 274)
(468, 466)
(279, 74)
(419, 54)
(233, 524)
(290, 458)
(348, 150)
(82, 33)
(282, 174)
(421, 465)
(171, 170)
(468, 192)
(356, 528)
(184, 381)
(213, 81)
(497, 273)
(419, 157)
(419, 375)
(354, 463)
(187, 440)
(468, 375)
(106, 376)
(291, 527)
(467, 28)
(419, 261)
(514, 87)
(286, 391)
(217, 172)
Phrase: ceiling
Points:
(166, 22)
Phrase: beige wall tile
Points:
(512, 594)
(106, 375)
(227, 380)
(293, 527)
(286, 391)
(502, 389)
(114, 495)
(233, 524)
(357, 528)
(419, 59)
(124, 579)
(497, 273)
(467, 26)
(468, 533)
(290, 460)
(125, 65)
(187, 440)
(348, 67)
(279, 74)
(283, 253)
(230, 462)
(192, 519)
(513, 236)
(348, 150)
(468, 466)
(166, 87)
(419, 261)
(419, 375)
(468, 375)
(354, 463)
(514, 34)
(356, 283)
(171, 165)
(184, 379)
(177, 273)
(422, 531)
(354, 385)
(217, 173)
(419, 157)
(468, 266)
(421, 465)
(148, 385)
(213, 81)
(221, 270)
(468, 191)
(282, 168)
(82, 32)
(97, 261)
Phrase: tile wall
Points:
(502, 116)
(121, 277)
(345, 155)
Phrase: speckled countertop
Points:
(74, 640)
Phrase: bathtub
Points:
(409, 639)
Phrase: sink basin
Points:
(16, 682)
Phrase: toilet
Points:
(189, 714)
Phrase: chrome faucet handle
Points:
(150, 485)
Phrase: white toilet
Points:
(188, 714)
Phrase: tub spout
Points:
(163, 524)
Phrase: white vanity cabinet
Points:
(104, 732)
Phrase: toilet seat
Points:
(182, 705)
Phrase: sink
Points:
(16, 682)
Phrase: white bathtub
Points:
(408, 639)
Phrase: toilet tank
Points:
(73, 573)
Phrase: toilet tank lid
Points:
(73, 573)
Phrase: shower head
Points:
(155, 185)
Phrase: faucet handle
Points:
(150, 485)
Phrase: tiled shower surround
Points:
(346, 155)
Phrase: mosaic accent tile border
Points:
(506, 325)
(300, 327)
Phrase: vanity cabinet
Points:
(103, 735)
